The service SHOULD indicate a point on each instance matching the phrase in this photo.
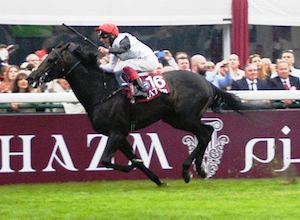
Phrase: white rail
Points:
(37, 97)
(268, 94)
(70, 97)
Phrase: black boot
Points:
(140, 91)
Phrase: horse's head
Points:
(58, 64)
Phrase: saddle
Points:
(155, 83)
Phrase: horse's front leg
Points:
(126, 148)
(113, 144)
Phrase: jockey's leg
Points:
(135, 78)
(122, 83)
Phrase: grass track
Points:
(200, 199)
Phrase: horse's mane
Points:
(90, 59)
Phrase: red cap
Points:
(108, 28)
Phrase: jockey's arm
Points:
(224, 81)
(113, 60)
(124, 47)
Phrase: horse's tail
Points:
(229, 101)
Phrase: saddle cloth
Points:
(155, 83)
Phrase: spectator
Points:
(33, 59)
(4, 56)
(181, 55)
(222, 69)
(59, 85)
(21, 85)
(32, 62)
(183, 61)
(3, 73)
(26, 67)
(268, 67)
(285, 81)
(210, 66)
(41, 54)
(255, 58)
(234, 64)
(288, 56)
(9, 77)
(199, 65)
(250, 81)
(62, 86)
(167, 56)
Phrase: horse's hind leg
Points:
(125, 147)
(200, 153)
(204, 136)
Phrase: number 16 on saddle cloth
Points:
(155, 83)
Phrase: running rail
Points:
(70, 97)
(268, 94)
(37, 97)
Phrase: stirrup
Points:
(140, 94)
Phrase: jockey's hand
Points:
(103, 50)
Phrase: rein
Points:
(109, 96)
(60, 58)
(72, 68)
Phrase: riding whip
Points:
(81, 35)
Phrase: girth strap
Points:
(132, 114)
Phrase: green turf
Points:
(200, 199)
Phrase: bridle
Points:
(63, 69)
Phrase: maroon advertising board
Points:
(60, 148)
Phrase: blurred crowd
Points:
(13, 79)
(260, 73)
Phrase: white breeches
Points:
(140, 64)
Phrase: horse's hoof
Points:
(187, 176)
(163, 184)
(202, 173)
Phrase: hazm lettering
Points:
(62, 156)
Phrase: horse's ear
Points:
(60, 44)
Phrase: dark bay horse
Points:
(109, 109)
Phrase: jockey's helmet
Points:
(107, 28)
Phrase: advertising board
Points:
(61, 148)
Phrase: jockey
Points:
(127, 54)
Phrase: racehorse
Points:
(109, 110)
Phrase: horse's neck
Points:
(89, 85)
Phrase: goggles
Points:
(102, 34)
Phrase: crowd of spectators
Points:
(13, 79)
(260, 73)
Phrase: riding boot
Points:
(141, 90)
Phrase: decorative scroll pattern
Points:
(214, 150)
